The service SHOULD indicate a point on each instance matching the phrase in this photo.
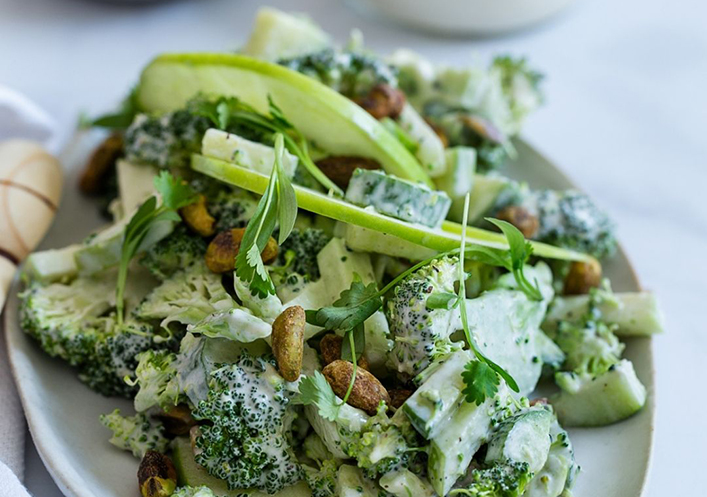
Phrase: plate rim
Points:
(58, 469)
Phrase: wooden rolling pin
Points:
(30, 190)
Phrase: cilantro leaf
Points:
(123, 117)
(315, 390)
(354, 306)
(175, 192)
(480, 382)
(359, 343)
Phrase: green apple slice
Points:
(340, 210)
(331, 121)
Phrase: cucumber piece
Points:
(451, 451)
(559, 470)
(405, 483)
(54, 265)
(434, 402)
(459, 178)
(398, 198)
(484, 193)
(524, 437)
(336, 124)
(135, 184)
(189, 473)
(278, 35)
(430, 150)
(608, 398)
(249, 154)
(350, 482)
(447, 238)
(635, 313)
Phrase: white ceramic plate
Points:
(63, 413)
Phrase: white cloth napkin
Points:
(19, 118)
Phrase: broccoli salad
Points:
(319, 280)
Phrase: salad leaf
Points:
(315, 390)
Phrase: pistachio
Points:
(177, 420)
(398, 396)
(94, 177)
(156, 475)
(197, 217)
(520, 218)
(484, 128)
(383, 101)
(330, 348)
(367, 391)
(223, 249)
(288, 341)
(582, 277)
(340, 168)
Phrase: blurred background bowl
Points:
(466, 17)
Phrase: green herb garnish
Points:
(277, 205)
(175, 194)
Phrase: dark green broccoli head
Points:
(299, 252)
(232, 208)
(352, 74)
(507, 479)
(165, 141)
(244, 439)
(179, 250)
(322, 480)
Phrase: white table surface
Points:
(626, 115)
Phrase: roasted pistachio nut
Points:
(330, 348)
(288, 341)
(93, 179)
(197, 217)
(520, 218)
(582, 277)
(383, 101)
(156, 475)
(223, 249)
(367, 391)
(398, 396)
(177, 420)
(340, 168)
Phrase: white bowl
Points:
(466, 17)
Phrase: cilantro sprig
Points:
(227, 111)
(175, 194)
(278, 205)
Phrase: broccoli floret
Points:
(322, 480)
(187, 297)
(136, 434)
(65, 318)
(115, 357)
(179, 250)
(165, 141)
(386, 444)
(298, 254)
(567, 219)
(193, 492)
(75, 323)
(507, 479)
(156, 376)
(352, 74)
(420, 334)
(232, 208)
(244, 441)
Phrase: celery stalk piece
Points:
(334, 208)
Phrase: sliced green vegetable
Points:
(335, 123)
(440, 240)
